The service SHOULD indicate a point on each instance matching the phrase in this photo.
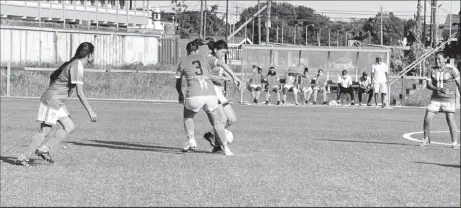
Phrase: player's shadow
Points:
(365, 142)
(443, 165)
(12, 160)
(133, 146)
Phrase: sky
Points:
(337, 10)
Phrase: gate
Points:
(168, 50)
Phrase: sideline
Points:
(408, 136)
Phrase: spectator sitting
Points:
(273, 82)
(255, 83)
(320, 85)
(345, 86)
(305, 85)
(365, 87)
(290, 83)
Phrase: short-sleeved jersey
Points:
(62, 88)
(290, 79)
(257, 78)
(364, 84)
(444, 79)
(196, 69)
(379, 72)
(320, 81)
(305, 81)
(272, 80)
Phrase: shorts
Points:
(438, 106)
(380, 87)
(273, 88)
(208, 103)
(320, 88)
(288, 87)
(220, 95)
(306, 89)
(256, 87)
(49, 115)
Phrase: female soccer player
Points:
(52, 108)
(306, 86)
(443, 80)
(273, 85)
(218, 50)
(200, 93)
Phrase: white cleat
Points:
(227, 152)
(190, 145)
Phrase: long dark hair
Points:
(194, 45)
(273, 73)
(83, 50)
(218, 45)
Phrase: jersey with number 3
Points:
(196, 69)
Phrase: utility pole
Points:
(204, 21)
(246, 19)
(434, 25)
(329, 37)
(296, 30)
(337, 40)
(424, 26)
(277, 34)
(259, 23)
(225, 55)
(268, 21)
(306, 35)
(282, 32)
(381, 25)
(201, 18)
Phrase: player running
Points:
(218, 50)
(443, 80)
(200, 93)
(273, 83)
(52, 108)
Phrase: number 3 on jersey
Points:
(198, 65)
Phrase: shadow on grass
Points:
(133, 146)
(443, 165)
(366, 142)
(12, 160)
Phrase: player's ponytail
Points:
(83, 50)
(194, 45)
(210, 42)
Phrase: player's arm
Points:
(229, 71)
(457, 78)
(429, 84)
(372, 74)
(219, 78)
(178, 77)
(76, 74)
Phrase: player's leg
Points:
(67, 128)
(360, 92)
(370, 97)
(258, 92)
(189, 127)
(253, 93)
(34, 143)
(218, 122)
(324, 92)
(316, 90)
(268, 94)
(450, 109)
(230, 115)
(295, 92)
(285, 92)
(431, 111)
(376, 90)
(351, 92)
(277, 91)
(338, 95)
(383, 90)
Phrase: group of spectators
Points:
(312, 85)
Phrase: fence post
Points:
(8, 75)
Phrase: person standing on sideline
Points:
(365, 87)
(379, 79)
(52, 108)
(345, 86)
(443, 80)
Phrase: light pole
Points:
(319, 33)
(296, 32)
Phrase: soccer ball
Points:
(229, 136)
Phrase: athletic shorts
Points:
(49, 115)
(437, 106)
(208, 103)
(273, 88)
(319, 88)
(255, 86)
(288, 86)
(380, 87)
(306, 89)
(219, 93)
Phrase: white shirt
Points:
(345, 82)
(379, 71)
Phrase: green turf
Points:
(285, 156)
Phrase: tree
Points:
(182, 17)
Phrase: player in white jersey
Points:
(218, 50)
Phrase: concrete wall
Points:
(53, 46)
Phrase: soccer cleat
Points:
(216, 149)
(455, 146)
(313, 102)
(296, 103)
(425, 142)
(352, 103)
(44, 155)
(227, 152)
(325, 103)
(23, 162)
(267, 102)
(278, 102)
(255, 101)
(369, 104)
(384, 105)
(306, 102)
(190, 145)
(209, 136)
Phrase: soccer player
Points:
(52, 108)
(320, 85)
(379, 78)
(443, 80)
(365, 87)
(291, 82)
(200, 93)
(273, 83)
(305, 85)
(255, 83)
(218, 50)
(345, 86)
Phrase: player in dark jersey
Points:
(444, 81)
(52, 108)
(200, 93)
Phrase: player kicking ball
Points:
(443, 80)
(218, 50)
(200, 93)
(52, 108)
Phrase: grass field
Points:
(285, 156)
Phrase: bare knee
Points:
(69, 129)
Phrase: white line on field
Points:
(407, 136)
